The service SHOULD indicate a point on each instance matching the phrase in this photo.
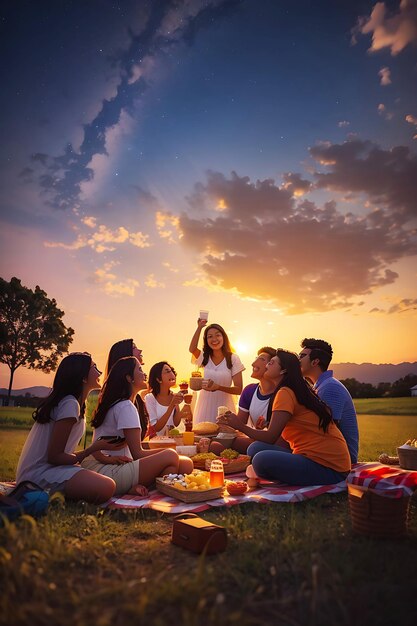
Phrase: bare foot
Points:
(139, 490)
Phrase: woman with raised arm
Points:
(116, 416)
(319, 454)
(48, 457)
(222, 371)
(162, 404)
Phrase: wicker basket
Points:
(377, 515)
(196, 383)
(232, 466)
(408, 458)
(188, 496)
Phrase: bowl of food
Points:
(236, 487)
(161, 443)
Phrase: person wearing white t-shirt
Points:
(222, 371)
(131, 467)
(254, 402)
(49, 457)
(162, 404)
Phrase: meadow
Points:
(295, 564)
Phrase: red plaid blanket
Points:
(392, 481)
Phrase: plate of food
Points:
(194, 487)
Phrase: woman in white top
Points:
(48, 457)
(222, 371)
(130, 467)
(163, 405)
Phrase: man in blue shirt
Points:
(315, 358)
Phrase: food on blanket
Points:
(386, 459)
(203, 445)
(206, 428)
(230, 454)
(196, 481)
(201, 457)
(174, 432)
(236, 487)
(162, 442)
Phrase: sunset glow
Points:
(257, 159)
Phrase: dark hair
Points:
(115, 389)
(226, 347)
(320, 350)
(155, 376)
(267, 350)
(293, 379)
(119, 350)
(68, 381)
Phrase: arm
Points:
(276, 425)
(133, 440)
(193, 348)
(160, 422)
(235, 389)
(59, 438)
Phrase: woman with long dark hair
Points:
(48, 457)
(222, 371)
(162, 404)
(116, 416)
(319, 455)
(127, 347)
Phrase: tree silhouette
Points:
(32, 333)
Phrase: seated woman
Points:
(319, 455)
(161, 404)
(48, 457)
(127, 347)
(130, 467)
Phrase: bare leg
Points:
(89, 486)
(163, 462)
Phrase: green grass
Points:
(386, 406)
(296, 564)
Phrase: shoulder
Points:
(237, 365)
(149, 398)
(67, 407)
(247, 395)
(285, 400)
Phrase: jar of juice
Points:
(216, 473)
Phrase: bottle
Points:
(216, 474)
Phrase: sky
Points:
(255, 158)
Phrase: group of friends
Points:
(298, 423)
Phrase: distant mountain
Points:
(37, 392)
(374, 374)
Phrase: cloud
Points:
(167, 226)
(295, 254)
(385, 76)
(343, 123)
(75, 172)
(389, 30)
(107, 281)
(406, 304)
(412, 119)
(387, 177)
(103, 239)
(382, 110)
(295, 184)
(152, 283)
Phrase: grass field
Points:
(296, 564)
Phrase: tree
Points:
(32, 333)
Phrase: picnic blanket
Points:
(390, 480)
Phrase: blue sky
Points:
(255, 157)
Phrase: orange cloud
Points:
(390, 30)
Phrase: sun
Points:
(242, 347)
